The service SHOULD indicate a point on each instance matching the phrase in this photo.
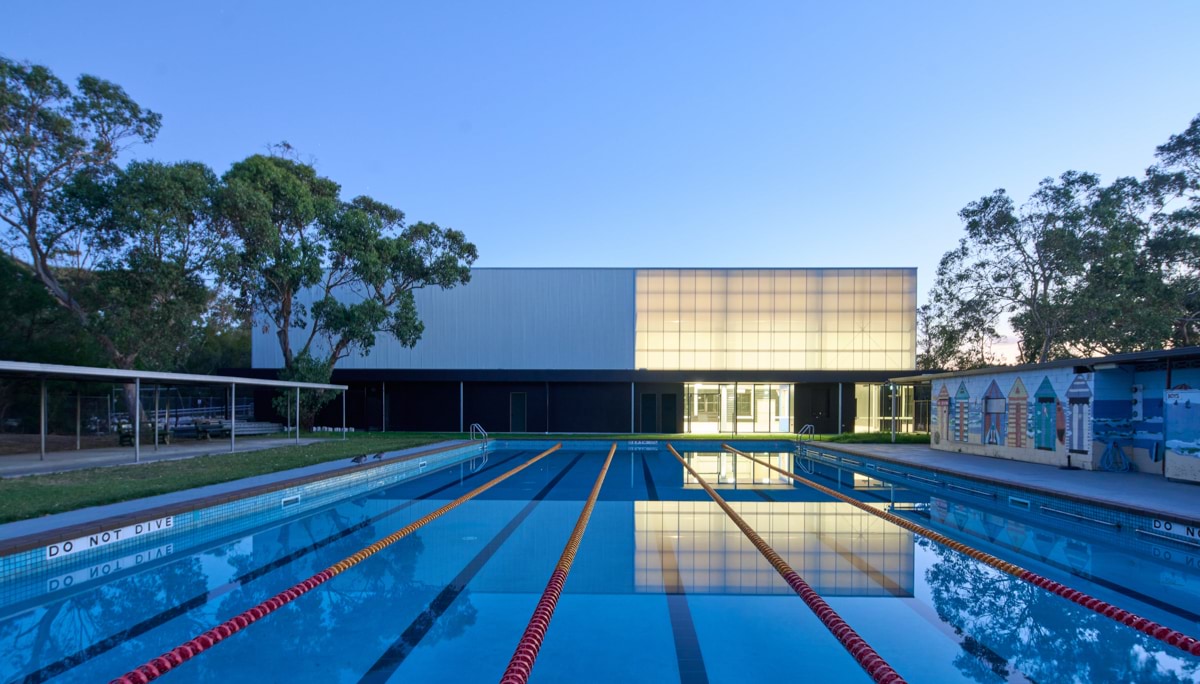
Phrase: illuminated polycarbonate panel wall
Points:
(694, 547)
(779, 319)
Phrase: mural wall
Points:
(1041, 416)
(1153, 424)
(1132, 418)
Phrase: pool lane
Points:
(177, 609)
(197, 589)
(394, 656)
(683, 599)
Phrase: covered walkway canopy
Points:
(45, 371)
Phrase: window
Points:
(745, 403)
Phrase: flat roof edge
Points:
(1151, 356)
(63, 372)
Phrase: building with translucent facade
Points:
(643, 350)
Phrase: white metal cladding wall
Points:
(553, 318)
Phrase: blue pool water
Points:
(664, 588)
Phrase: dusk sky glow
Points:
(638, 134)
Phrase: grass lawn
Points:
(876, 438)
(36, 495)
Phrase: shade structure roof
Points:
(48, 371)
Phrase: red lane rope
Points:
(177, 656)
(521, 664)
(1162, 633)
(859, 649)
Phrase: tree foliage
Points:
(1081, 268)
(146, 259)
(49, 136)
(154, 231)
(327, 276)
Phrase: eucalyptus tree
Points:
(1174, 184)
(1082, 268)
(50, 136)
(154, 231)
(1020, 263)
(324, 275)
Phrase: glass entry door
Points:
(737, 407)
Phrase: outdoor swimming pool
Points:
(665, 587)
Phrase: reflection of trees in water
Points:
(1009, 624)
(362, 610)
(361, 605)
(69, 626)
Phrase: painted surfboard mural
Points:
(1079, 398)
(1018, 409)
(995, 415)
(942, 417)
(1045, 408)
(962, 405)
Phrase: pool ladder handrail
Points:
(802, 459)
(477, 432)
(810, 430)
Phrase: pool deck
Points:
(16, 465)
(1143, 493)
(24, 534)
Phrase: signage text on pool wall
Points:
(108, 568)
(99, 539)
(1177, 529)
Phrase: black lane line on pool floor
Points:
(394, 656)
(688, 656)
(101, 647)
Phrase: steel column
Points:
(839, 430)
(42, 421)
(343, 415)
(632, 407)
(892, 386)
(297, 415)
(78, 417)
(156, 417)
(232, 417)
(136, 414)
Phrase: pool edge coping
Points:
(34, 540)
(1044, 491)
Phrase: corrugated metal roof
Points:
(1177, 354)
(58, 372)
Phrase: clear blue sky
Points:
(654, 133)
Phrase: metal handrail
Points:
(477, 432)
(804, 463)
(801, 453)
(809, 430)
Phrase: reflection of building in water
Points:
(840, 551)
(725, 469)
